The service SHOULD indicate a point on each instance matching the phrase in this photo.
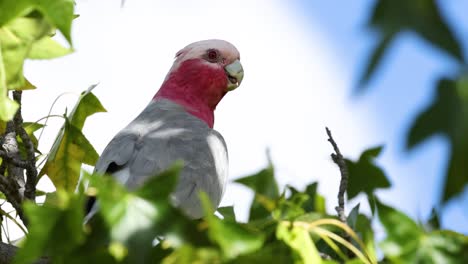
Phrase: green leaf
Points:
(188, 255)
(406, 242)
(47, 48)
(71, 148)
(274, 252)
(233, 238)
(16, 39)
(265, 187)
(390, 18)
(30, 128)
(402, 233)
(135, 219)
(11, 9)
(447, 116)
(365, 175)
(87, 105)
(433, 223)
(422, 17)
(69, 151)
(363, 227)
(228, 213)
(59, 13)
(315, 202)
(299, 240)
(55, 229)
(352, 217)
(375, 60)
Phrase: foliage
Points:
(285, 225)
(447, 115)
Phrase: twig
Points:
(31, 171)
(10, 188)
(8, 252)
(339, 161)
(9, 159)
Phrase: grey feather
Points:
(162, 134)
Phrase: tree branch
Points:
(8, 252)
(31, 171)
(339, 161)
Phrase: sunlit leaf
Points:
(71, 148)
(16, 40)
(365, 175)
(59, 13)
(47, 48)
(10, 9)
(299, 240)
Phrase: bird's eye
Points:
(213, 55)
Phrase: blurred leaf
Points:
(71, 148)
(274, 252)
(228, 213)
(135, 219)
(55, 229)
(10, 9)
(233, 238)
(47, 48)
(16, 39)
(375, 60)
(406, 242)
(265, 187)
(448, 116)
(188, 255)
(392, 17)
(315, 202)
(433, 223)
(363, 228)
(352, 217)
(59, 13)
(420, 16)
(364, 175)
(299, 240)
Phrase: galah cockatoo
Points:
(178, 125)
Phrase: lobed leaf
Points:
(365, 175)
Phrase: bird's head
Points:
(202, 73)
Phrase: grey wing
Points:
(114, 160)
(204, 154)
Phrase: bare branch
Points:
(10, 188)
(8, 252)
(31, 171)
(339, 161)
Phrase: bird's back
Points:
(162, 134)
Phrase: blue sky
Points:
(402, 87)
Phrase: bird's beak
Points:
(235, 74)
